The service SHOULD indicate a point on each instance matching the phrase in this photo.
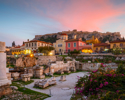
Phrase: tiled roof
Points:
(101, 44)
(87, 47)
(117, 41)
(63, 34)
(39, 41)
(74, 40)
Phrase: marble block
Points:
(2, 46)
(3, 66)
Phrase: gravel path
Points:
(62, 90)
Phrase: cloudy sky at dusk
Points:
(23, 19)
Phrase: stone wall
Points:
(5, 90)
(60, 66)
(25, 62)
(44, 60)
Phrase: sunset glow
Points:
(22, 19)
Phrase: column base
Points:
(5, 82)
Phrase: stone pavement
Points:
(62, 90)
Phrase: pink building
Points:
(74, 44)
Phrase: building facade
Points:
(33, 45)
(87, 49)
(92, 40)
(100, 47)
(60, 45)
(117, 44)
(74, 44)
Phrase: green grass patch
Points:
(10, 66)
(28, 91)
(25, 83)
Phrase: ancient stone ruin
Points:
(4, 82)
(45, 83)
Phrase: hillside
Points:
(85, 35)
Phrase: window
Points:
(62, 37)
(80, 44)
(55, 45)
(68, 44)
(74, 44)
(114, 45)
(27, 45)
(96, 48)
(35, 44)
(32, 44)
(59, 45)
(68, 50)
(121, 44)
(60, 50)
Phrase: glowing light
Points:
(50, 53)
(31, 55)
(15, 55)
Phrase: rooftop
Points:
(74, 40)
(63, 34)
(117, 41)
(101, 44)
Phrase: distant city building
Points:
(87, 49)
(117, 44)
(74, 44)
(100, 47)
(92, 40)
(29, 47)
(60, 45)
(33, 45)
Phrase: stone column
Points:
(3, 76)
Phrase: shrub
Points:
(100, 83)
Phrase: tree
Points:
(117, 51)
(45, 50)
(74, 53)
(13, 44)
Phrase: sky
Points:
(23, 19)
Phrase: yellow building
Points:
(33, 45)
(101, 47)
(20, 50)
(16, 50)
(87, 49)
(60, 45)
(117, 44)
(92, 40)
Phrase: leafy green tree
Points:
(45, 49)
(117, 51)
(74, 53)
(49, 39)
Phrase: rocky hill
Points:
(85, 35)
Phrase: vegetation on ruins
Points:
(24, 93)
(46, 50)
(48, 39)
(74, 53)
(103, 84)
(117, 51)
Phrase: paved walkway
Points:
(59, 91)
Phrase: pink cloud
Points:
(87, 15)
